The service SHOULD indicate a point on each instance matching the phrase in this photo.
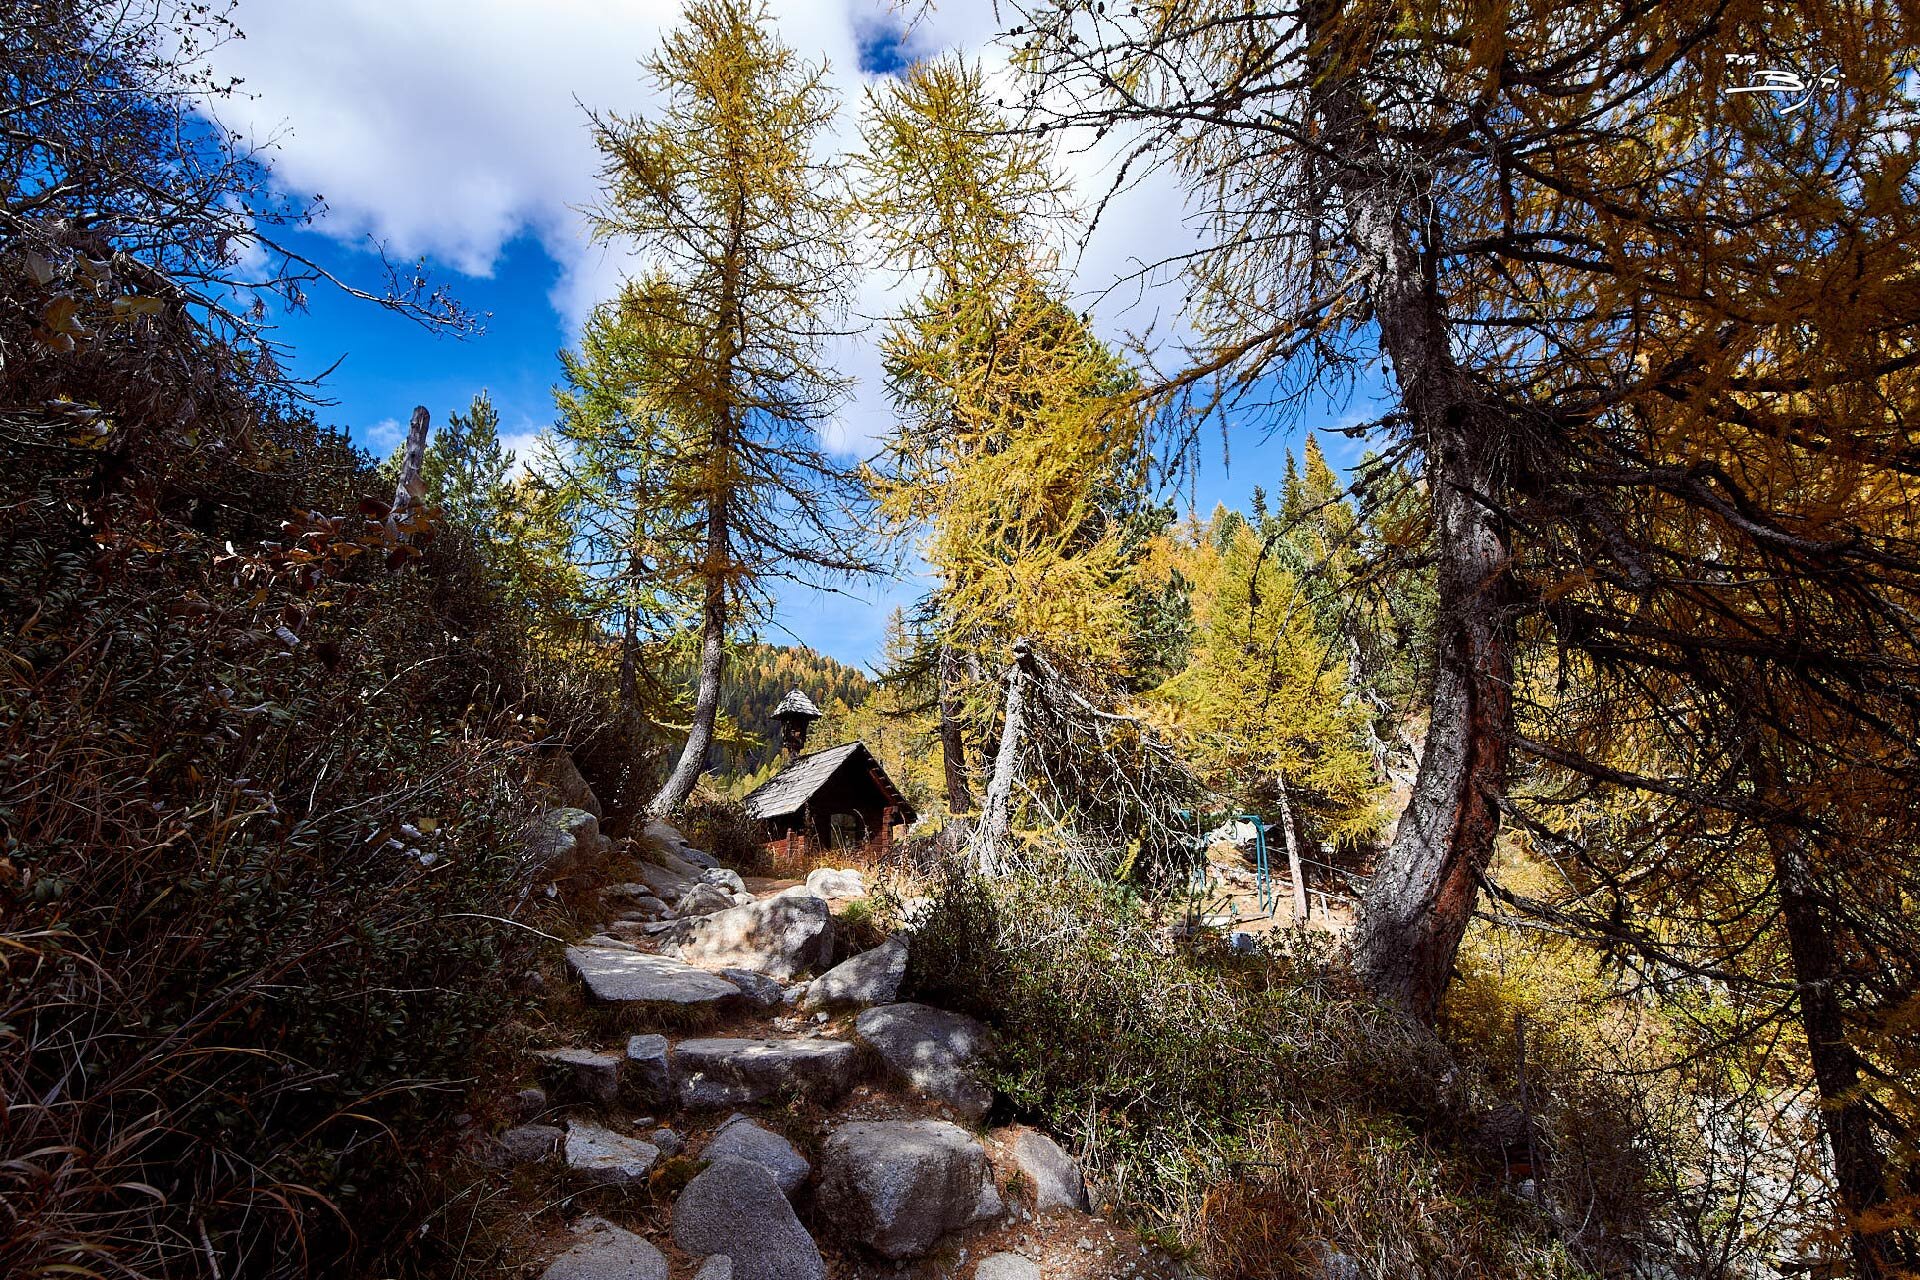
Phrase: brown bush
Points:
(723, 829)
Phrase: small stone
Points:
(1084, 1243)
(1334, 1264)
(718, 1267)
(606, 1158)
(607, 1253)
(1006, 1266)
(668, 1140)
(530, 1143)
(761, 991)
(1050, 1171)
(649, 1072)
(583, 1073)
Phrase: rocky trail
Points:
(728, 1103)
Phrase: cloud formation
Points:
(446, 128)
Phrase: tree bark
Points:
(995, 814)
(1422, 893)
(953, 747)
(1859, 1172)
(1293, 855)
(408, 490)
(713, 660)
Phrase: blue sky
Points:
(455, 132)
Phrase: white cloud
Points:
(446, 128)
(384, 436)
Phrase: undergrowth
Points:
(1253, 1109)
(255, 832)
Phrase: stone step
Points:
(725, 1071)
(621, 976)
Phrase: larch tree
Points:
(745, 231)
(606, 462)
(1649, 327)
(962, 205)
(1011, 424)
(1265, 701)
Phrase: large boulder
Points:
(1050, 1171)
(935, 1051)
(606, 1158)
(585, 1075)
(741, 1139)
(728, 1072)
(781, 937)
(735, 1207)
(564, 842)
(607, 1252)
(557, 775)
(872, 977)
(899, 1186)
(621, 976)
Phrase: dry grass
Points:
(1254, 1110)
(249, 883)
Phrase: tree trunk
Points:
(408, 490)
(1859, 1172)
(953, 749)
(1293, 855)
(1422, 893)
(996, 813)
(713, 660)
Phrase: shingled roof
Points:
(796, 703)
(789, 790)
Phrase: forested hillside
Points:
(1476, 841)
(761, 675)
